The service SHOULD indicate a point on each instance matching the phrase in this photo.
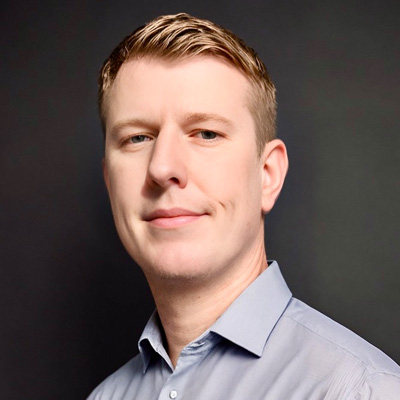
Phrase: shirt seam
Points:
(373, 375)
(371, 370)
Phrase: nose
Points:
(167, 166)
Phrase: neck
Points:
(189, 308)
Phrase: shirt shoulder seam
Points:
(372, 371)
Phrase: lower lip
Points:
(174, 222)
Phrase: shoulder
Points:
(367, 370)
(325, 330)
(119, 381)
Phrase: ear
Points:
(275, 166)
(105, 173)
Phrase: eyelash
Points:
(147, 138)
(199, 134)
(129, 140)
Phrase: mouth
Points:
(172, 218)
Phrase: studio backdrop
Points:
(73, 303)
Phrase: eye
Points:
(207, 135)
(139, 139)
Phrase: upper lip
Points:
(170, 213)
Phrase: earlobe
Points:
(275, 166)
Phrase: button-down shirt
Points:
(267, 345)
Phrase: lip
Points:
(172, 218)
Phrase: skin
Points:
(187, 189)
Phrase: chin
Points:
(177, 269)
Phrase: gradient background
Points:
(72, 302)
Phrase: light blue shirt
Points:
(267, 345)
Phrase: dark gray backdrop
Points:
(72, 302)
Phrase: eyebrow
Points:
(197, 117)
(130, 122)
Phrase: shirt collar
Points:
(247, 322)
(250, 319)
(151, 340)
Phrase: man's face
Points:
(181, 167)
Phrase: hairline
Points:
(250, 97)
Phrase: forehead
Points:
(200, 84)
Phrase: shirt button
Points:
(173, 394)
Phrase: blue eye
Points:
(139, 138)
(207, 135)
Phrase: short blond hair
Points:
(174, 37)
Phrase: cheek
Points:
(219, 183)
(123, 183)
(238, 186)
(248, 185)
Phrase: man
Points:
(192, 165)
